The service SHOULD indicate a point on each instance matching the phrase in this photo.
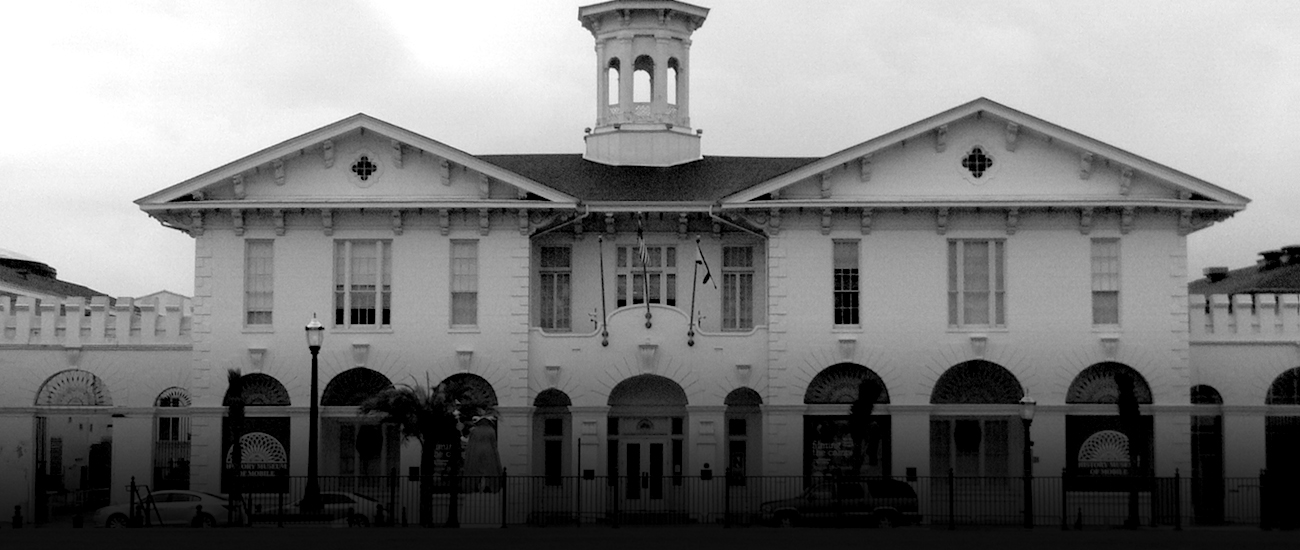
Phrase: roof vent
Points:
(1272, 259)
(1216, 274)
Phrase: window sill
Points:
(361, 330)
(846, 329)
(1106, 329)
(259, 329)
(977, 328)
(464, 330)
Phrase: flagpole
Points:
(645, 268)
(604, 317)
(690, 326)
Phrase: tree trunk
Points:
(453, 503)
(427, 454)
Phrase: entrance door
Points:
(645, 463)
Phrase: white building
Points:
(964, 262)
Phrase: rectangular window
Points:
(556, 272)
(464, 283)
(1105, 281)
(976, 286)
(258, 260)
(737, 287)
(846, 282)
(661, 270)
(362, 283)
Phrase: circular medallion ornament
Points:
(1104, 446)
(258, 448)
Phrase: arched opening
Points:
(643, 70)
(73, 444)
(264, 436)
(478, 416)
(259, 390)
(744, 425)
(980, 446)
(1282, 430)
(846, 434)
(647, 434)
(353, 445)
(1207, 455)
(612, 88)
(673, 82)
(552, 435)
(1102, 384)
(171, 440)
(353, 386)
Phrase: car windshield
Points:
(218, 497)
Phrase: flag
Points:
(640, 241)
(699, 260)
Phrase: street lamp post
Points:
(311, 495)
(1026, 418)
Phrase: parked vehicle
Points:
(336, 505)
(169, 508)
(879, 502)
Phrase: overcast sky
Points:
(106, 102)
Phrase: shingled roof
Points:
(1279, 274)
(707, 180)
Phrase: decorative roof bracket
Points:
(1012, 136)
(1085, 165)
(941, 138)
(864, 167)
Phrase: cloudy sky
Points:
(106, 102)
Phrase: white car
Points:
(171, 508)
(336, 505)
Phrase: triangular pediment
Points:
(983, 153)
(358, 162)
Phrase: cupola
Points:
(642, 82)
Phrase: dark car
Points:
(879, 502)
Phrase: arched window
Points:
(552, 434)
(74, 387)
(1282, 430)
(1207, 457)
(171, 447)
(977, 382)
(474, 387)
(974, 444)
(259, 389)
(839, 384)
(643, 71)
(744, 434)
(353, 386)
(1097, 384)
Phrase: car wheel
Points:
(362, 521)
(116, 521)
(785, 519)
(886, 520)
(206, 520)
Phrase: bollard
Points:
(17, 521)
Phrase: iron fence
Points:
(1064, 502)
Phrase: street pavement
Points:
(645, 538)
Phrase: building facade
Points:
(641, 309)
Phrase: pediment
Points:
(983, 153)
(359, 162)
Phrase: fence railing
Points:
(941, 501)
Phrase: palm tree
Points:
(1130, 417)
(431, 416)
(235, 401)
(860, 425)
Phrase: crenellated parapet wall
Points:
(1244, 317)
(73, 322)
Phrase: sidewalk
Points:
(647, 538)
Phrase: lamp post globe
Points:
(311, 494)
